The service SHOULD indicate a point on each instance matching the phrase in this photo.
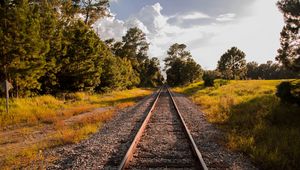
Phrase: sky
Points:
(208, 27)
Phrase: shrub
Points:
(209, 77)
(286, 91)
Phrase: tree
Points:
(180, 67)
(89, 10)
(51, 33)
(82, 65)
(289, 52)
(23, 49)
(92, 10)
(232, 64)
(117, 74)
(135, 46)
(252, 70)
(208, 77)
(269, 70)
(150, 74)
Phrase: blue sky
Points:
(207, 27)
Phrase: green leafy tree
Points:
(134, 47)
(252, 70)
(150, 74)
(289, 52)
(209, 76)
(51, 29)
(232, 64)
(23, 49)
(269, 70)
(81, 66)
(180, 67)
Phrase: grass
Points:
(36, 124)
(254, 119)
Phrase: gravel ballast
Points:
(106, 148)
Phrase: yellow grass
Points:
(254, 119)
(48, 115)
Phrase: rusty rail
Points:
(139, 134)
(196, 151)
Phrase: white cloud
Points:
(195, 15)
(225, 17)
(257, 34)
(110, 27)
(151, 16)
(114, 1)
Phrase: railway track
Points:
(163, 140)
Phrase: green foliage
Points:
(209, 77)
(46, 49)
(289, 52)
(117, 74)
(180, 67)
(150, 73)
(52, 34)
(81, 66)
(134, 48)
(284, 91)
(23, 49)
(232, 64)
(269, 70)
(288, 92)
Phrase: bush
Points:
(286, 91)
(209, 77)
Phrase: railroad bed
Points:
(163, 143)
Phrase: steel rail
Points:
(188, 133)
(138, 136)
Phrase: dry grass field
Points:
(253, 118)
(38, 123)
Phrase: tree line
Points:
(49, 47)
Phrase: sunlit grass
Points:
(254, 119)
(49, 114)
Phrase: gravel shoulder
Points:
(209, 139)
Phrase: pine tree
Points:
(289, 52)
(150, 73)
(81, 66)
(23, 50)
(51, 33)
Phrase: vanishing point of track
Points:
(163, 140)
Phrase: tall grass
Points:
(254, 119)
(48, 109)
(49, 114)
